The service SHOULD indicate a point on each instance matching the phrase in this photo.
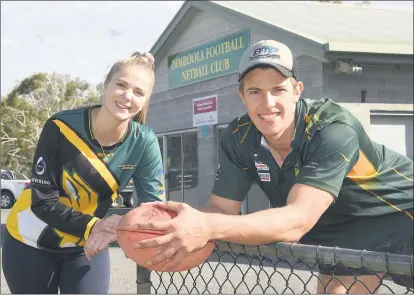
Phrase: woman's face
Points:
(127, 91)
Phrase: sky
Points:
(84, 38)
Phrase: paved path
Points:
(123, 275)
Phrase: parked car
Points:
(12, 183)
(126, 198)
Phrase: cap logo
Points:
(265, 52)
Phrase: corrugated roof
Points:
(339, 27)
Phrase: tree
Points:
(327, 1)
(340, 2)
(19, 135)
(52, 93)
(27, 107)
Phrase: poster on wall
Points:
(205, 111)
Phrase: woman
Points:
(83, 159)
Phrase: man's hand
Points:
(98, 242)
(108, 224)
(187, 232)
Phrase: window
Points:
(394, 130)
(180, 156)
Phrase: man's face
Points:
(270, 99)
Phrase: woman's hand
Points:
(108, 224)
(102, 234)
(98, 242)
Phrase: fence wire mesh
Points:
(281, 268)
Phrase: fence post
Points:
(143, 280)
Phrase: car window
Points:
(20, 176)
(6, 176)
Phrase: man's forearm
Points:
(263, 227)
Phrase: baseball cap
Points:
(270, 53)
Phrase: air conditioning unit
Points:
(347, 68)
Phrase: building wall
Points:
(382, 83)
(311, 75)
(171, 110)
(203, 28)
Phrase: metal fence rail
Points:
(278, 268)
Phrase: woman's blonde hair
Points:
(141, 59)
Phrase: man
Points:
(328, 183)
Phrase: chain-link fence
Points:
(282, 268)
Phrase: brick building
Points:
(359, 56)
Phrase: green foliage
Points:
(32, 83)
(340, 2)
(26, 108)
(327, 1)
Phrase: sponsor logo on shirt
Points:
(40, 181)
(264, 176)
(261, 166)
(40, 166)
(127, 166)
(311, 165)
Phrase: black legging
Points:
(32, 271)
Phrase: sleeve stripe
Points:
(89, 227)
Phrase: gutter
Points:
(400, 49)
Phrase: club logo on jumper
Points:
(264, 176)
(296, 169)
(40, 166)
(265, 52)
